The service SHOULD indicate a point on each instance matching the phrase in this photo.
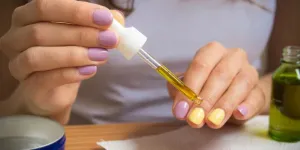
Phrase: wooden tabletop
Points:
(84, 137)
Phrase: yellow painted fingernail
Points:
(217, 116)
(197, 115)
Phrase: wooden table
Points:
(84, 137)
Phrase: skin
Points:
(217, 85)
(224, 78)
(44, 65)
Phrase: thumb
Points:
(118, 16)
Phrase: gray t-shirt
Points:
(131, 91)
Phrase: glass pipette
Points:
(169, 76)
(130, 44)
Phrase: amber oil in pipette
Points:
(178, 84)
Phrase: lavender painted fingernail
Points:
(107, 38)
(97, 54)
(102, 17)
(243, 110)
(87, 70)
(181, 109)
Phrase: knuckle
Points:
(240, 52)
(81, 35)
(199, 65)
(17, 13)
(41, 6)
(75, 55)
(29, 59)
(66, 76)
(36, 34)
(77, 14)
(247, 79)
(63, 75)
(222, 72)
(214, 44)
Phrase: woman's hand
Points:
(225, 81)
(52, 46)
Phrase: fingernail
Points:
(87, 70)
(181, 109)
(102, 17)
(217, 116)
(243, 110)
(197, 116)
(107, 38)
(181, 77)
(97, 54)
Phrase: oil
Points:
(178, 84)
(284, 123)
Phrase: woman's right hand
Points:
(52, 46)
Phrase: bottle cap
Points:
(130, 39)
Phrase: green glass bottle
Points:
(284, 121)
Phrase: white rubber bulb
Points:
(130, 39)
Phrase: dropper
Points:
(131, 42)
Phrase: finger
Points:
(196, 116)
(48, 80)
(240, 87)
(197, 73)
(202, 64)
(51, 82)
(221, 77)
(251, 106)
(118, 16)
(47, 34)
(37, 59)
(49, 103)
(63, 11)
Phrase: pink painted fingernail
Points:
(107, 38)
(102, 17)
(87, 70)
(181, 109)
(243, 110)
(181, 77)
(97, 54)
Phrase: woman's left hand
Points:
(226, 82)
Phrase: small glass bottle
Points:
(284, 121)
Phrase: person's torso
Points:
(124, 91)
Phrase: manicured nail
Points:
(102, 17)
(87, 70)
(181, 77)
(217, 116)
(197, 116)
(243, 110)
(107, 38)
(181, 109)
(97, 54)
